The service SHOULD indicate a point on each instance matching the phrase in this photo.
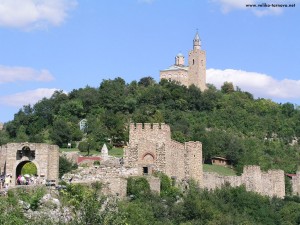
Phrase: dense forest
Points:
(229, 122)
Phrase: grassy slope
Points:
(225, 171)
(117, 152)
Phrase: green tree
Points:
(65, 166)
(29, 168)
(138, 187)
(60, 133)
(227, 87)
(146, 81)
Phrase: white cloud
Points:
(12, 74)
(229, 5)
(271, 9)
(27, 97)
(260, 85)
(34, 13)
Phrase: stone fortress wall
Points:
(151, 148)
(150, 145)
(270, 183)
(112, 175)
(44, 156)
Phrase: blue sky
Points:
(67, 44)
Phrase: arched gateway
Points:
(13, 156)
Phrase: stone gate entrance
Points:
(13, 156)
(20, 167)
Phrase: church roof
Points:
(174, 67)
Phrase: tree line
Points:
(229, 122)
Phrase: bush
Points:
(83, 146)
(65, 166)
(167, 188)
(96, 163)
(32, 197)
(138, 186)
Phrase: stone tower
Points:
(151, 148)
(194, 73)
(197, 65)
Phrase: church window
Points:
(193, 61)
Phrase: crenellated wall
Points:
(270, 183)
(149, 131)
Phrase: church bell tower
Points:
(197, 65)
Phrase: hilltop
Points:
(229, 122)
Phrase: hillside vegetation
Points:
(229, 122)
(79, 204)
(222, 170)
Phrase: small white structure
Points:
(104, 152)
(82, 124)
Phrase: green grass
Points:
(117, 152)
(68, 150)
(222, 170)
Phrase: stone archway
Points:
(21, 165)
(13, 156)
(148, 158)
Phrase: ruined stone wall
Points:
(113, 178)
(154, 183)
(252, 179)
(97, 173)
(193, 161)
(53, 161)
(46, 159)
(270, 183)
(213, 181)
(175, 160)
(2, 158)
(273, 183)
(115, 186)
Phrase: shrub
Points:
(167, 188)
(138, 186)
(32, 197)
(65, 166)
(96, 163)
(83, 146)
